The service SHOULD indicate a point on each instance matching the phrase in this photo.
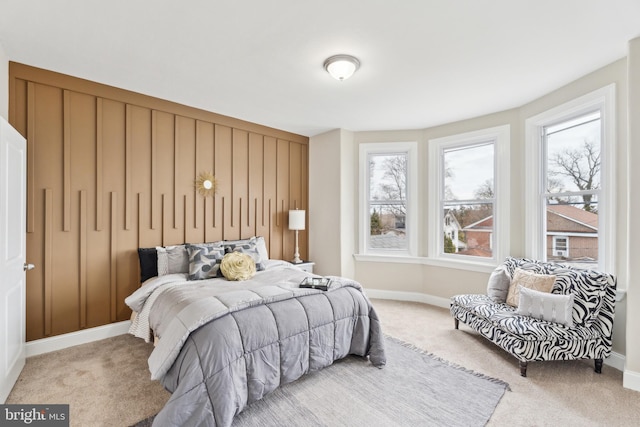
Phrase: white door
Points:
(13, 163)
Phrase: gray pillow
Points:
(177, 259)
(556, 308)
(205, 260)
(498, 285)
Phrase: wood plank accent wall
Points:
(111, 170)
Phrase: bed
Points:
(222, 344)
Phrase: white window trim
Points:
(502, 189)
(411, 224)
(604, 99)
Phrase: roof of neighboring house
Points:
(575, 214)
(569, 212)
(483, 224)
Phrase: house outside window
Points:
(468, 196)
(570, 175)
(387, 175)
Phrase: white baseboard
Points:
(631, 380)
(46, 345)
(408, 296)
(616, 360)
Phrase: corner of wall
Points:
(348, 197)
(632, 368)
(324, 202)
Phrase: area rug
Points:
(414, 389)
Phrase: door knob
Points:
(28, 266)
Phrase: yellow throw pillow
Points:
(530, 280)
(238, 266)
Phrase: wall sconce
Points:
(341, 67)
(296, 222)
(206, 184)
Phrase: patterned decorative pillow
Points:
(238, 266)
(249, 247)
(546, 306)
(527, 279)
(204, 260)
(261, 245)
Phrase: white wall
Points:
(331, 215)
(632, 368)
(4, 84)
(439, 283)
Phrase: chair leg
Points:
(456, 322)
(599, 366)
(523, 368)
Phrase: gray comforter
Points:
(226, 344)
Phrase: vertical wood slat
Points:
(48, 258)
(139, 223)
(176, 163)
(99, 177)
(66, 168)
(196, 223)
(127, 168)
(269, 214)
(184, 210)
(154, 148)
(232, 186)
(114, 254)
(163, 217)
(255, 219)
(83, 259)
(31, 169)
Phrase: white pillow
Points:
(556, 308)
(163, 261)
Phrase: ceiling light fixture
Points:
(341, 67)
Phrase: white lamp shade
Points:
(296, 220)
(341, 67)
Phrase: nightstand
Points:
(306, 266)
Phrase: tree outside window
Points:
(572, 188)
(387, 200)
(468, 199)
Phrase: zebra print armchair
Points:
(533, 339)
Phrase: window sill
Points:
(405, 259)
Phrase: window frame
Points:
(602, 99)
(410, 148)
(500, 242)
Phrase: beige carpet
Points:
(107, 383)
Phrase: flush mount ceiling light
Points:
(341, 67)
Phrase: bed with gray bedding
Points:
(223, 345)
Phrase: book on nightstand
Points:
(321, 283)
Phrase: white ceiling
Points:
(424, 62)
